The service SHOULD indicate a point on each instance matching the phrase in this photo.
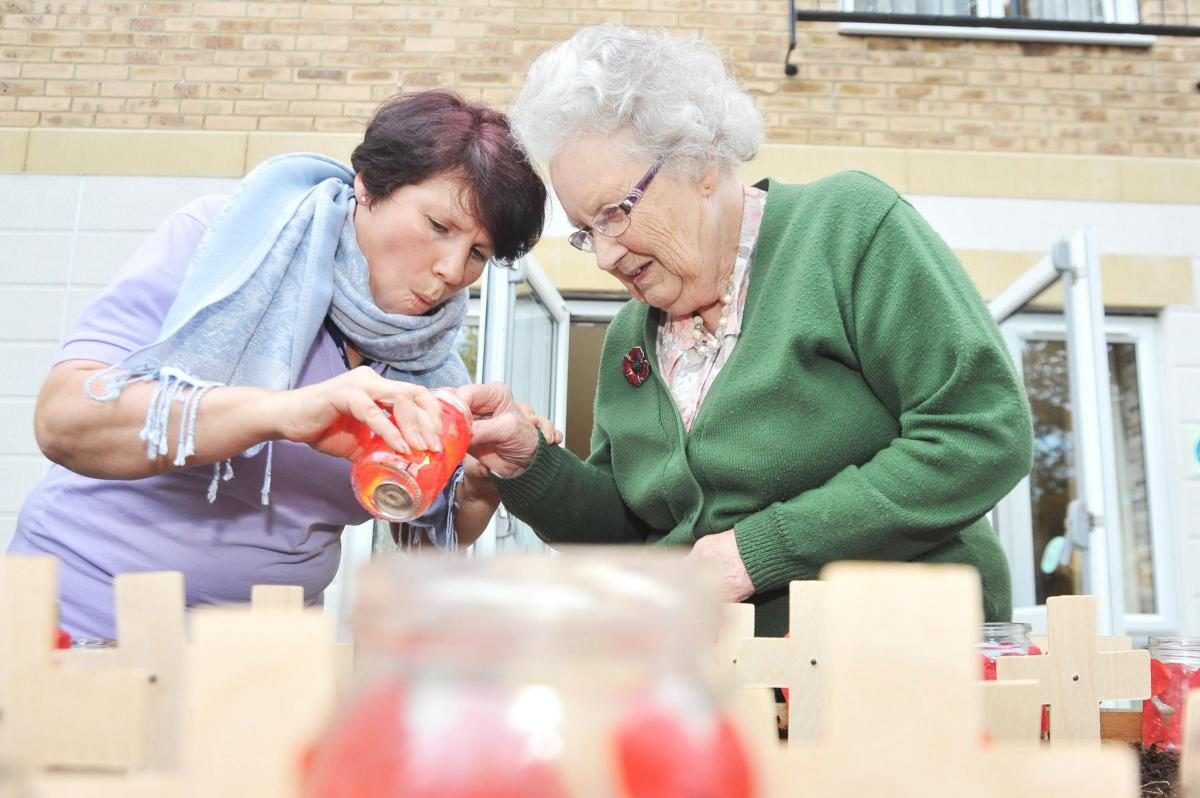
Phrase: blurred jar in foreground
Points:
(1174, 671)
(577, 676)
(400, 487)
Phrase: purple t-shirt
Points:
(100, 528)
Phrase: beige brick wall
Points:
(322, 65)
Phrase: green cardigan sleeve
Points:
(566, 500)
(929, 350)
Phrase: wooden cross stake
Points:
(55, 715)
(151, 635)
(260, 687)
(1189, 761)
(794, 662)
(903, 715)
(1076, 675)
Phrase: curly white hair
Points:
(674, 96)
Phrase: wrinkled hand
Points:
(503, 437)
(551, 433)
(316, 414)
(720, 552)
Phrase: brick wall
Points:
(322, 65)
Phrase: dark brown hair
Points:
(418, 136)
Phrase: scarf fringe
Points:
(172, 386)
(450, 544)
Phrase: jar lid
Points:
(1182, 646)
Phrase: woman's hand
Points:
(550, 432)
(720, 551)
(504, 437)
(315, 413)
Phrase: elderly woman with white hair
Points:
(806, 374)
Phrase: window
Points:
(1033, 515)
(1067, 10)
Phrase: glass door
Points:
(1034, 517)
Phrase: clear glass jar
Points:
(1008, 640)
(1003, 640)
(1174, 667)
(585, 674)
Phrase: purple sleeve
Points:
(129, 313)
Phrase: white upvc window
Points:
(1124, 11)
(1032, 516)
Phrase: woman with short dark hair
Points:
(242, 329)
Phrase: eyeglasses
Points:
(612, 220)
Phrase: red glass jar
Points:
(400, 487)
(1003, 640)
(533, 677)
(1174, 672)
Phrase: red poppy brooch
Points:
(636, 367)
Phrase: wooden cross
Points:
(28, 619)
(1189, 760)
(737, 623)
(55, 715)
(1103, 642)
(903, 710)
(1076, 675)
(151, 635)
(1012, 712)
(260, 688)
(793, 662)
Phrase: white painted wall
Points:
(62, 238)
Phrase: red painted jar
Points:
(1174, 672)
(400, 487)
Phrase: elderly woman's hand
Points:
(551, 433)
(720, 551)
(504, 435)
(311, 414)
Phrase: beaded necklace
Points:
(704, 343)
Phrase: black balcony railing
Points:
(1157, 17)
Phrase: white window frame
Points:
(1115, 11)
(1123, 11)
(1013, 515)
(496, 309)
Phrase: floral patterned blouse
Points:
(691, 357)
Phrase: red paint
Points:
(661, 755)
(379, 749)
(1162, 713)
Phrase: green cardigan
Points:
(868, 412)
